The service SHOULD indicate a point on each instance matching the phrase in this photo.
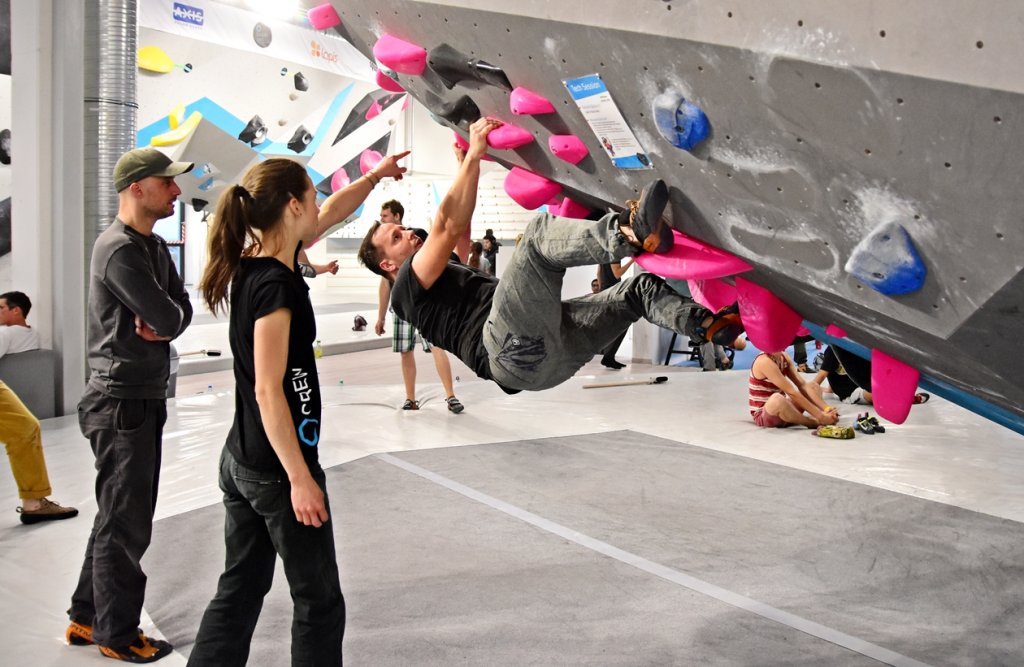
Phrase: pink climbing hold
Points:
(893, 384)
(463, 143)
(387, 83)
(712, 293)
(340, 179)
(525, 102)
(509, 136)
(568, 147)
(835, 331)
(573, 209)
(803, 331)
(690, 259)
(373, 111)
(323, 17)
(369, 159)
(771, 324)
(529, 190)
(399, 55)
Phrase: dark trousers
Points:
(259, 525)
(613, 347)
(126, 438)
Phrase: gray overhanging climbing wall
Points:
(827, 121)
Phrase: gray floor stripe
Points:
(771, 613)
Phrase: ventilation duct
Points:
(111, 37)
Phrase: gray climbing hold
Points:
(887, 261)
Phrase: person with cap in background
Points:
(137, 305)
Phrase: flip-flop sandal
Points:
(834, 431)
(921, 397)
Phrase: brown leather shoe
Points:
(48, 511)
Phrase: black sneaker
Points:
(48, 511)
(724, 328)
(454, 405)
(143, 649)
(612, 364)
(651, 232)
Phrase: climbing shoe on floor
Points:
(410, 404)
(834, 431)
(454, 404)
(864, 425)
(651, 232)
(142, 650)
(875, 423)
(78, 634)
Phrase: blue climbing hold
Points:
(887, 261)
(682, 123)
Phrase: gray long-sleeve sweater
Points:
(132, 274)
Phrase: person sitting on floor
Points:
(779, 397)
(843, 383)
(19, 428)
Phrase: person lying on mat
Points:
(780, 397)
(518, 332)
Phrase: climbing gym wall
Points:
(855, 165)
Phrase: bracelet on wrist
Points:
(373, 178)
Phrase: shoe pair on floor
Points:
(454, 405)
(868, 424)
(142, 650)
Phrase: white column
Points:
(47, 185)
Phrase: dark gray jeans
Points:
(126, 438)
(534, 339)
(259, 525)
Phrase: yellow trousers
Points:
(19, 431)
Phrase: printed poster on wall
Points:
(607, 123)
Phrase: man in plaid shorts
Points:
(403, 334)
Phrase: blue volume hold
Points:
(682, 123)
(887, 261)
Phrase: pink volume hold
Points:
(770, 323)
(568, 147)
(893, 384)
(387, 83)
(529, 190)
(323, 17)
(509, 136)
(400, 56)
(525, 102)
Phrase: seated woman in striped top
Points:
(779, 396)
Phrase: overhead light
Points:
(275, 9)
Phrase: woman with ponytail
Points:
(275, 494)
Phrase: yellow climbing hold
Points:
(178, 134)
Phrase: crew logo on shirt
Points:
(308, 431)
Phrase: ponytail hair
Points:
(257, 204)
